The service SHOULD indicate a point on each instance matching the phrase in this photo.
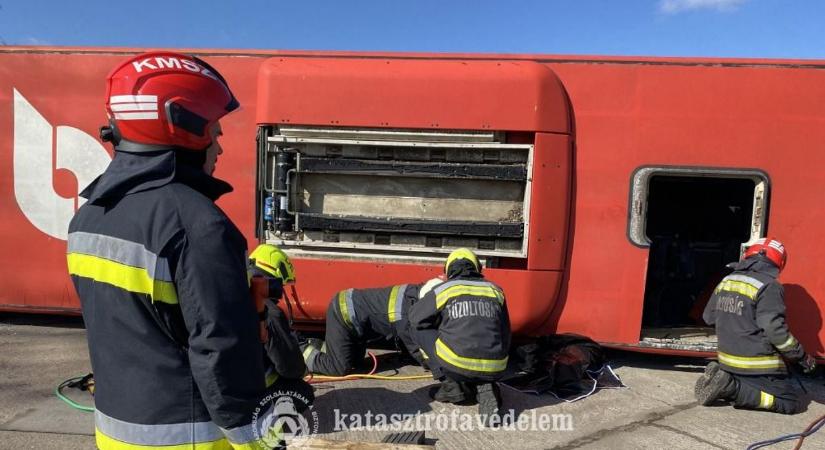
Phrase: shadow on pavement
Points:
(340, 406)
(620, 358)
(43, 320)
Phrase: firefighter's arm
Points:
(506, 332)
(281, 346)
(770, 316)
(423, 313)
(224, 345)
(709, 315)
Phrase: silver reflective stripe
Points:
(310, 353)
(399, 302)
(746, 279)
(162, 434)
(444, 286)
(247, 433)
(121, 251)
(271, 376)
(788, 344)
(352, 314)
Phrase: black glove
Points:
(808, 364)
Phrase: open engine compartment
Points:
(388, 193)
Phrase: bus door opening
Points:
(695, 222)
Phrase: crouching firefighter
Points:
(269, 271)
(463, 328)
(356, 317)
(748, 311)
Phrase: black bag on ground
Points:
(557, 362)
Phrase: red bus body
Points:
(606, 119)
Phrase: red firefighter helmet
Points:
(166, 99)
(771, 249)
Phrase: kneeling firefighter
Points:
(269, 270)
(748, 310)
(356, 317)
(463, 328)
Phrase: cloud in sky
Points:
(677, 6)
(31, 40)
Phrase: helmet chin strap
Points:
(110, 133)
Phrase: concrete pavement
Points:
(657, 410)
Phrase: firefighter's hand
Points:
(808, 364)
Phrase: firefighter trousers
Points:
(342, 350)
(768, 392)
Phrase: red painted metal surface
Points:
(448, 94)
(410, 93)
(629, 115)
(530, 290)
(550, 202)
(628, 112)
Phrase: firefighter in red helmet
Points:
(748, 310)
(160, 270)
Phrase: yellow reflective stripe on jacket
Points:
(738, 287)
(751, 362)
(446, 295)
(765, 400)
(395, 307)
(132, 279)
(472, 364)
(107, 443)
(271, 376)
(788, 344)
(746, 279)
(121, 263)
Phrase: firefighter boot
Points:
(489, 403)
(451, 391)
(304, 343)
(720, 386)
(701, 383)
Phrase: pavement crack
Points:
(58, 433)
(688, 435)
(647, 420)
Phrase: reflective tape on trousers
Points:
(395, 309)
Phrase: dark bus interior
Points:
(696, 225)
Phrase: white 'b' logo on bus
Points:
(36, 159)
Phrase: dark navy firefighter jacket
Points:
(748, 310)
(173, 334)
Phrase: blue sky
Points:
(733, 28)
